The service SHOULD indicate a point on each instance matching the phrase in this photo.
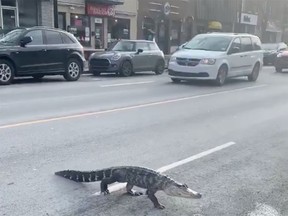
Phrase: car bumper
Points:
(281, 62)
(103, 65)
(200, 72)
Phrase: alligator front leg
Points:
(132, 192)
(104, 185)
(153, 198)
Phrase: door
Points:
(57, 52)
(30, 58)
(141, 61)
(248, 56)
(234, 58)
(9, 18)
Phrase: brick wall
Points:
(47, 13)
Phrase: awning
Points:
(110, 2)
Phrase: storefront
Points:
(169, 23)
(23, 13)
(97, 23)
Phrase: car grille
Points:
(184, 74)
(99, 64)
(187, 62)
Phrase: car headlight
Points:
(172, 59)
(208, 61)
(279, 55)
(116, 57)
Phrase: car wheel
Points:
(175, 80)
(7, 72)
(38, 76)
(279, 70)
(160, 67)
(73, 70)
(255, 73)
(126, 69)
(221, 76)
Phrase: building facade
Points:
(216, 15)
(168, 22)
(97, 23)
(25, 13)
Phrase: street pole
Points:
(55, 7)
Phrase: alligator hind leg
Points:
(153, 198)
(104, 185)
(132, 192)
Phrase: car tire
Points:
(160, 67)
(222, 75)
(278, 70)
(73, 70)
(255, 73)
(126, 69)
(7, 72)
(175, 80)
(38, 76)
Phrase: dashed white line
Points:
(120, 186)
(126, 84)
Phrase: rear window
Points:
(53, 37)
(67, 39)
(153, 46)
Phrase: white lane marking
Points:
(126, 84)
(81, 115)
(120, 186)
(264, 210)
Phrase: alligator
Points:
(141, 177)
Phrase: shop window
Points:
(175, 33)
(80, 27)
(10, 3)
(118, 29)
(28, 13)
(148, 28)
(53, 37)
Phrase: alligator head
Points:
(181, 190)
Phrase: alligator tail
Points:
(86, 176)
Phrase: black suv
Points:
(40, 51)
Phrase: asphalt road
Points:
(145, 121)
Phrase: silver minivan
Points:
(217, 56)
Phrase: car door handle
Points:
(243, 56)
(44, 50)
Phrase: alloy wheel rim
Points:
(5, 73)
(73, 69)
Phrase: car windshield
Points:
(270, 46)
(209, 43)
(124, 46)
(12, 36)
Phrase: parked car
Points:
(127, 57)
(40, 51)
(281, 61)
(217, 56)
(271, 50)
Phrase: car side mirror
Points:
(234, 50)
(140, 51)
(24, 41)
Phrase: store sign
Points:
(167, 8)
(249, 19)
(100, 10)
